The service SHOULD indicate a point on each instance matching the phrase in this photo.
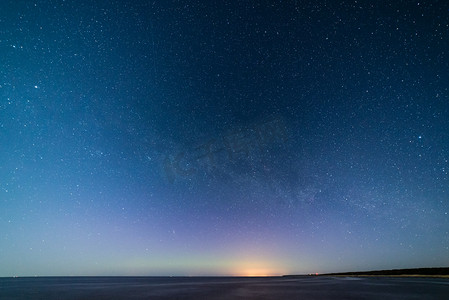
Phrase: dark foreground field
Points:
(314, 287)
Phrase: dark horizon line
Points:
(408, 271)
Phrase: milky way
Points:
(224, 138)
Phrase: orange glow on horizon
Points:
(254, 273)
(256, 270)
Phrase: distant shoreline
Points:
(399, 276)
(416, 272)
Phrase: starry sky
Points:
(223, 137)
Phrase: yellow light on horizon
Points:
(255, 269)
(255, 273)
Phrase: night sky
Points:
(223, 137)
